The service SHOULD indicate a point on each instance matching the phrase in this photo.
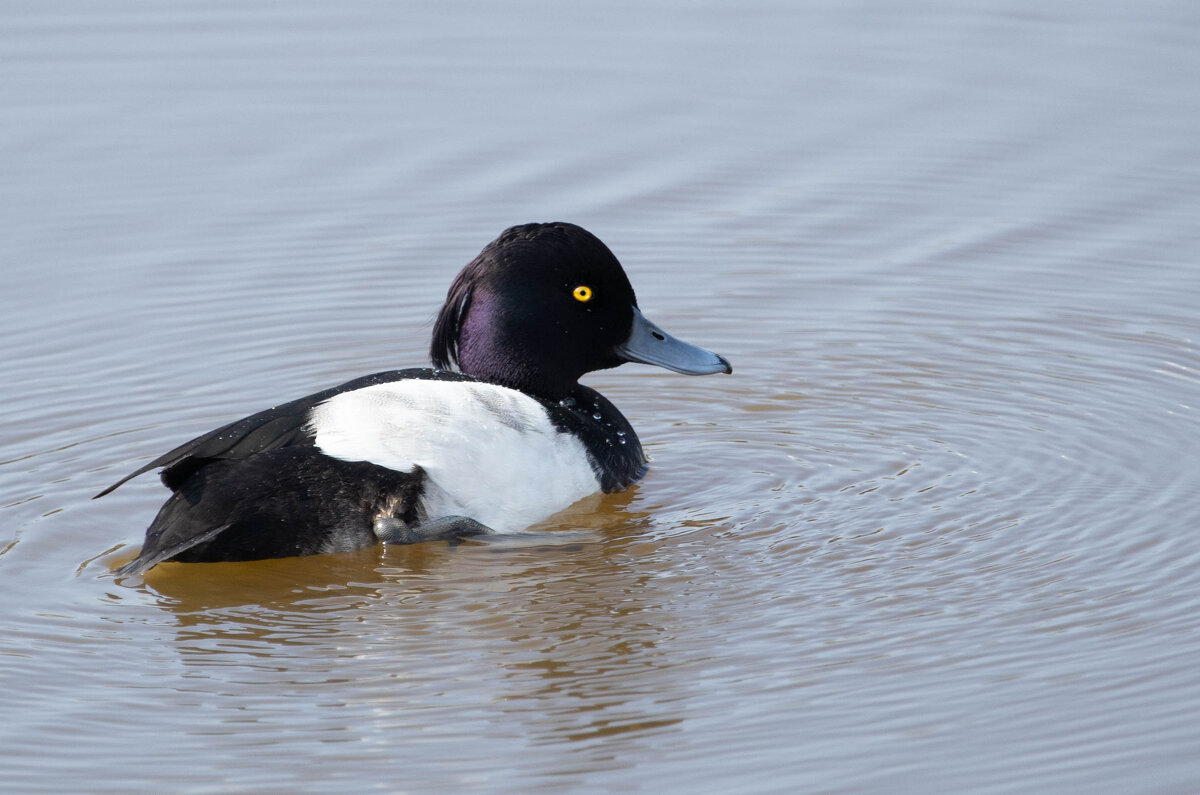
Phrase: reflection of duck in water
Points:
(416, 455)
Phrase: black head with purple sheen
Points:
(545, 303)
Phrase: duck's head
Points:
(545, 303)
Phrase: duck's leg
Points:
(391, 530)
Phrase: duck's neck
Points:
(501, 354)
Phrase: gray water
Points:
(937, 532)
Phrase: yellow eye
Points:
(582, 293)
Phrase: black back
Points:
(280, 426)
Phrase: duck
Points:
(496, 436)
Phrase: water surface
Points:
(936, 532)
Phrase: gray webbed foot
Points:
(390, 530)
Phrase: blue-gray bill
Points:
(649, 344)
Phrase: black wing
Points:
(276, 504)
(284, 425)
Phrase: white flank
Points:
(491, 453)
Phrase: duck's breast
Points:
(490, 453)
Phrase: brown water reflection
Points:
(562, 634)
